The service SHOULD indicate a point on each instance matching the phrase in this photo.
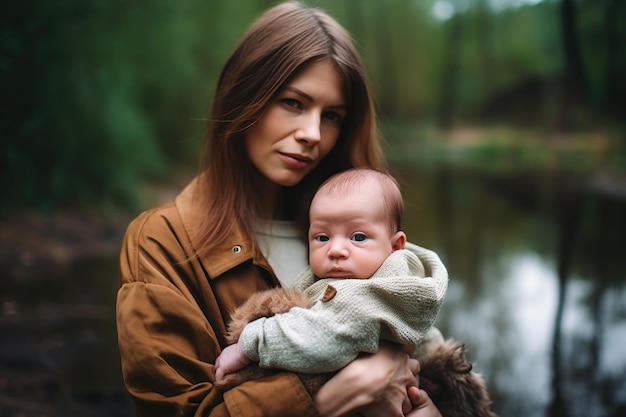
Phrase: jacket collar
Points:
(236, 250)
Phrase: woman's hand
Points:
(423, 406)
(374, 384)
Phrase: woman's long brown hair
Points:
(278, 45)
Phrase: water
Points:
(537, 266)
(537, 284)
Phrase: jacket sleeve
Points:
(310, 341)
(169, 334)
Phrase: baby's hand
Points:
(230, 360)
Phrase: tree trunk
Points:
(615, 15)
(573, 89)
(450, 70)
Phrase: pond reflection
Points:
(538, 279)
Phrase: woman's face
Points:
(300, 125)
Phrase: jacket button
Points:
(236, 249)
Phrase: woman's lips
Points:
(296, 160)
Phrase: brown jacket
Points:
(171, 315)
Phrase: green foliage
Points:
(502, 150)
(101, 96)
(105, 95)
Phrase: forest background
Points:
(102, 97)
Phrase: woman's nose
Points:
(309, 129)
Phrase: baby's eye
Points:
(359, 237)
(321, 238)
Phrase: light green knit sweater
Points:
(398, 303)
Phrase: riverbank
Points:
(32, 242)
(58, 353)
(56, 316)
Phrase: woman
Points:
(292, 107)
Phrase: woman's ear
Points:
(398, 241)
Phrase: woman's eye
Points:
(359, 237)
(332, 116)
(290, 102)
(321, 238)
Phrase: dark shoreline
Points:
(58, 354)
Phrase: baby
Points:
(365, 283)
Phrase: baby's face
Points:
(349, 236)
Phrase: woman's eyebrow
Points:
(299, 92)
(309, 98)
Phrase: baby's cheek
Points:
(316, 263)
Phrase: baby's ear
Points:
(398, 241)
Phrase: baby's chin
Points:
(343, 274)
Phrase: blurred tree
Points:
(74, 133)
(447, 106)
(574, 85)
(104, 95)
(529, 61)
(101, 96)
(615, 34)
